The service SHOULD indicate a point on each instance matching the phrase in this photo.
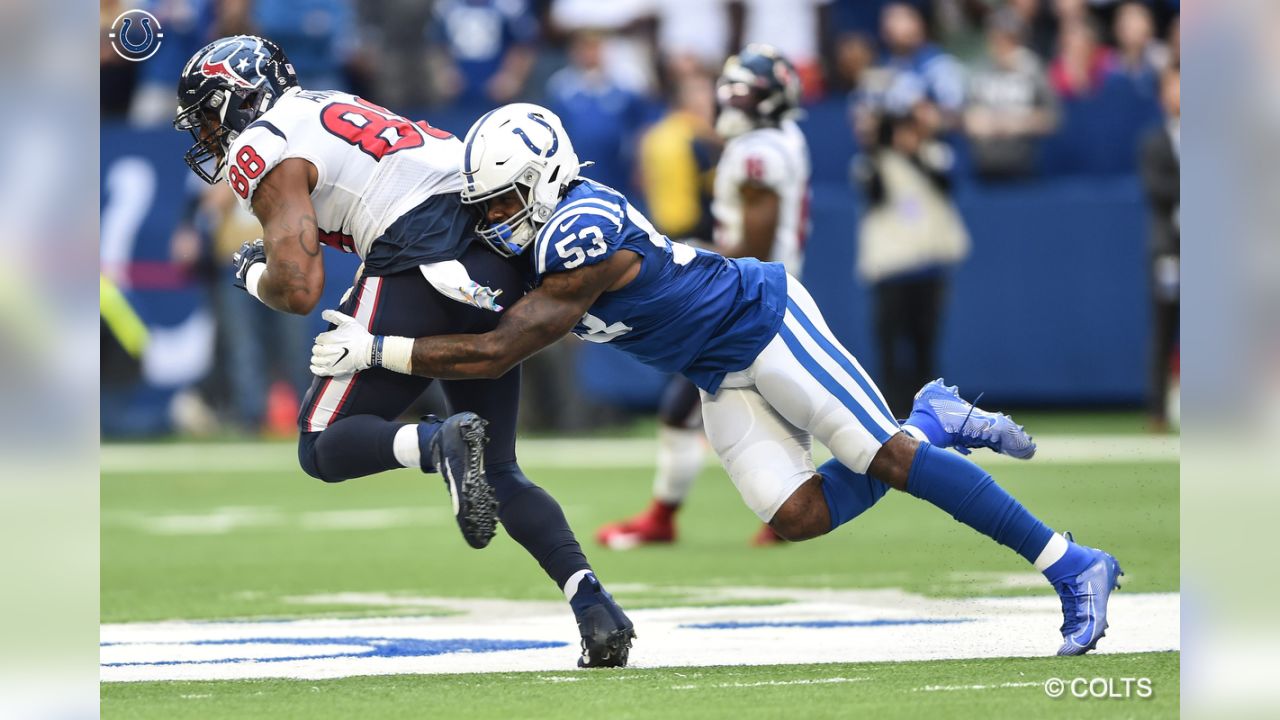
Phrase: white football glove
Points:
(346, 349)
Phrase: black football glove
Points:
(248, 254)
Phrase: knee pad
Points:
(307, 455)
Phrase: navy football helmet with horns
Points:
(757, 88)
(226, 86)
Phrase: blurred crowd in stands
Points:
(932, 92)
(1000, 73)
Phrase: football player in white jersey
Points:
(329, 168)
(761, 210)
(771, 375)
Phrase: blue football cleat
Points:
(456, 449)
(1084, 602)
(950, 421)
(606, 630)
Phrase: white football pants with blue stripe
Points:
(803, 385)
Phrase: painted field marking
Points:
(572, 453)
(1000, 686)
(772, 683)
(542, 637)
(228, 519)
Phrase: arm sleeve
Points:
(259, 148)
(580, 236)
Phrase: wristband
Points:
(251, 278)
(393, 353)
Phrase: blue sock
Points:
(848, 493)
(967, 492)
(927, 424)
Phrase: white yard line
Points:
(772, 683)
(487, 635)
(998, 686)
(569, 453)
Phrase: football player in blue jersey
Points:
(770, 373)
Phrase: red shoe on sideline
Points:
(654, 525)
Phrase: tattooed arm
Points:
(537, 320)
(294, 277)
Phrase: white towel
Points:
(450, 279)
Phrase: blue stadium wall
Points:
(1050, 308)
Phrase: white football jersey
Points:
(372, 165)
(777, 158)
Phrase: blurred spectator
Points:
(402, 72)
(264, 353)
(116, 76)
(1039, 25)
(486, 49)
(855, 56)
(794, 28)
(677, 158)
(625, 29)
(1082, 63)
(188, 25)
(1160, 164)
(1010, 103)
(320, 37)
(1139, 56)
(691, 36)
(918, 76)
(601, 116)
(909, 238)
(1067, 12)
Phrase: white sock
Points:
(681, 452)
(571, 585)
(915, 432)
(1052, 552)
(405, 447)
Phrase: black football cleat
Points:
(606, 630)
(457, 451)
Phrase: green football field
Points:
(197, 533)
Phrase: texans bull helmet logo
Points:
(235, 61)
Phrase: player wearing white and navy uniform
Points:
(326, 167)
(386, 188)
(776, 158)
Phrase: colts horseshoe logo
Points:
(135, 35)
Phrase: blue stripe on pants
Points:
(832, 386)
(841, 360)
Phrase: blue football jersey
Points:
(687, 311)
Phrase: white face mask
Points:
(732, 122)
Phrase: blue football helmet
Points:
(226, 86)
